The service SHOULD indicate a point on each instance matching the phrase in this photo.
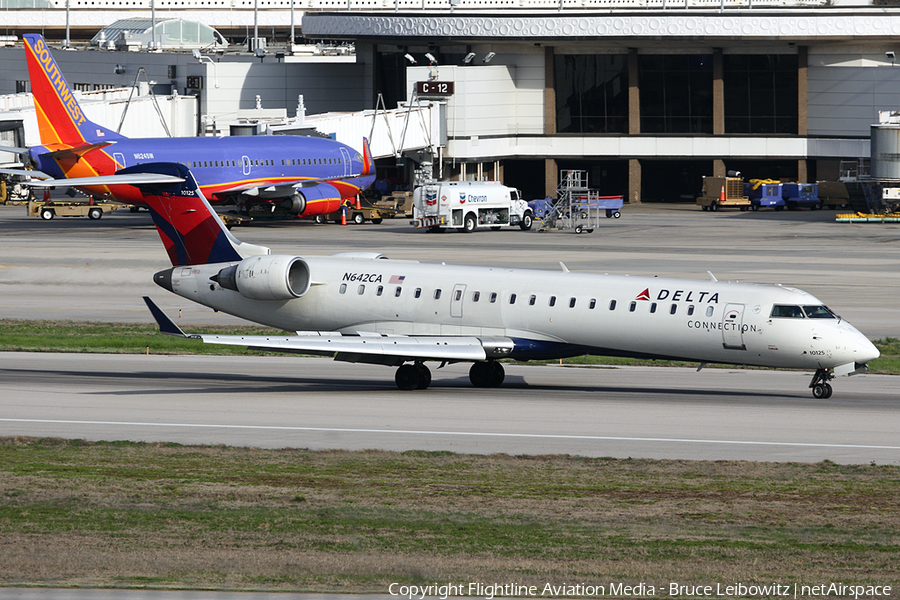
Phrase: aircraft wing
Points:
(376, 348)
(279, 189)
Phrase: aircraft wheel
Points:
(828, 390)
(469, 224)
(47, 214)
(487, 374)
(424, 376)
(407, 377)
(358, 218)
(95, 213)
(820, 390)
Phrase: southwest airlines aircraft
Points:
(360, 307)
(307, 175)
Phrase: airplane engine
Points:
(295, 205)
(270, 277)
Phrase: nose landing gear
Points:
(819, 385)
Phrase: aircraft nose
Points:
(865, 350)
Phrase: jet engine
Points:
(295, 205)
(270, 277)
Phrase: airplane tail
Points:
(368, 161)
(190, 229)
(61, 121)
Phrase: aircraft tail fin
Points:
(61, 121)
(368, 161)
(190, 229)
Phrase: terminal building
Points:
(646, 101)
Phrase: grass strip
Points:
(74, 513)
(138, 338)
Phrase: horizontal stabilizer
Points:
(25, 173)
(77, 152)
(125, 179)
(14, 149)
(166, 325)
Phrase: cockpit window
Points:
(818, 312)
(787, 311)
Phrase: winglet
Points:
(166, 325)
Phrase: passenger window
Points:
(672, 309)
(343, 288)
(652, 307)
(437, 294)
(361, 289)
(612, 305)
(709, 311)
(592, 304)
(552, 300)
(512, 298)
(418, 293)
(493, 297)
(690, 310)
(397, 292)
(458, 295)
(379, 290)
(632, 306)
(787, 311)
(532, 300)
(476, 296)
(571, 302)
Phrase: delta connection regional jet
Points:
(305, 175)
(361, 307)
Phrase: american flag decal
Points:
(397, 278)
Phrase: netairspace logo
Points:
(489, 591)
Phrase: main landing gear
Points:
(819, 385)
(417, 376)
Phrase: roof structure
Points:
(169, 33)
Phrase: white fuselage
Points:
(550, 314)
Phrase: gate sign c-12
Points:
(434, 88)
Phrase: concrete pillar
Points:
(719, 167)
(634, 94)
(802, 90)
(549, 94)
(634, 181)
(551, 177)
(718, 93)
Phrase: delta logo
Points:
(681, 296)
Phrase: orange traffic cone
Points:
(343, 215)
(358, 207)
(722, 195)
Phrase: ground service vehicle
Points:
(723, 191)
(797, 195)
(764, 193)
(47, 209)
(467, 205)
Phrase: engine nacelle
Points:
(295, 205)
(271, 277)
